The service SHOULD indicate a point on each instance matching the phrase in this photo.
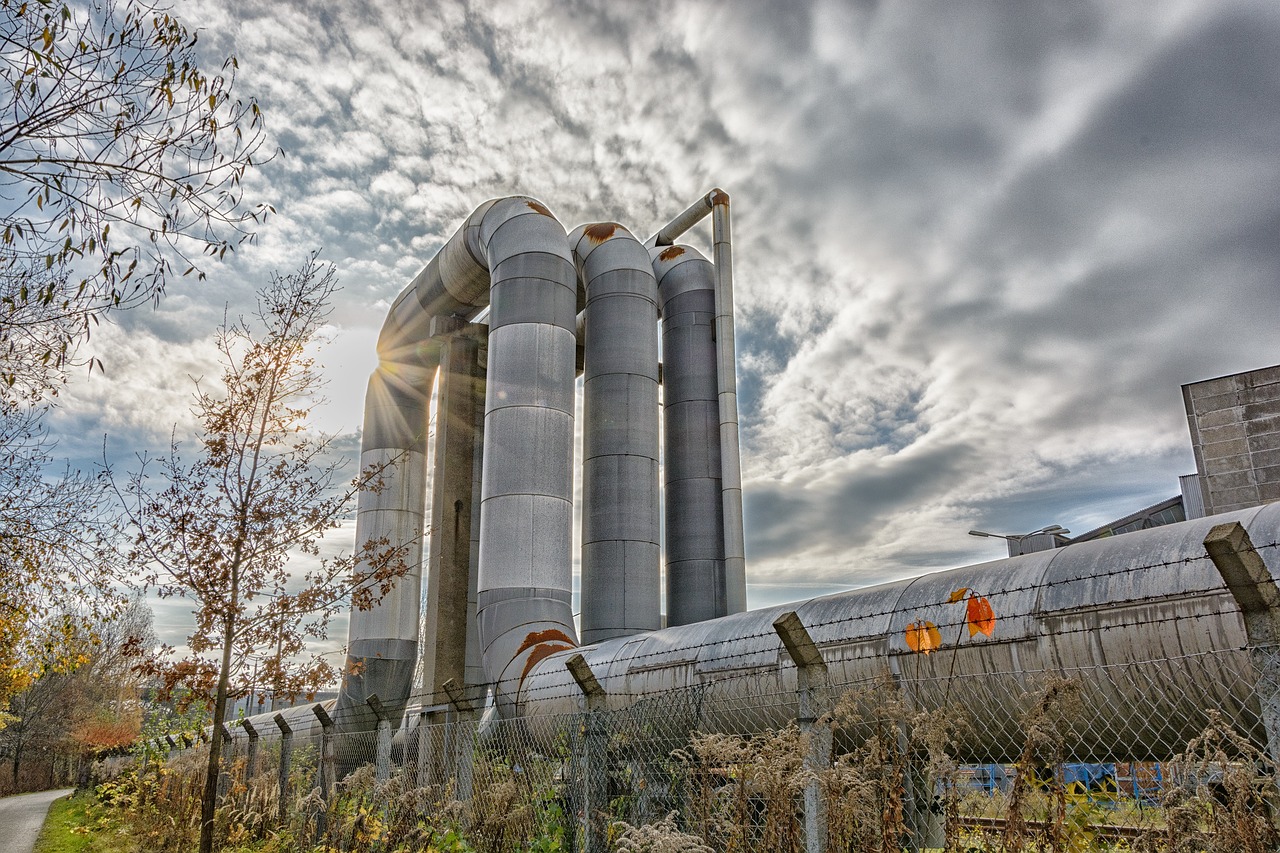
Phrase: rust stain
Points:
(719, 197)
(540, 651)
(600, 232)
(539, 207)
(670, 253)
(550, 635)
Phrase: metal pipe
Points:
(1143, 620)
(691, 442)
(690, 217)
(620, 550)
(511, 255)
(735, 560)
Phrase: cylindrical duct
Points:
(1143, 620)
(691, 445)
(383, 641)
(526, 512)
(620, 549)
(513, 254)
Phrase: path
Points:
(22, 816)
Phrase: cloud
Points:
(977, 249)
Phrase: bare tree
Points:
(121, 160)
(219, 528)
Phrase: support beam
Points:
(460, 391)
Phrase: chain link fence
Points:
(1166, 752)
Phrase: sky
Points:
(977, 246)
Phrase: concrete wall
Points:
(1235, 433)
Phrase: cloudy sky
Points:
(979, 246)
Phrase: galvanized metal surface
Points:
(735, 559)
(513, 253)
(691, 443)
(620, 531)
(1131, 607)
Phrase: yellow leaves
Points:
(979, 616)
(923, 637)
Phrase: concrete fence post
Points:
(1255, 591)
(463, 755)
(228, 755)
(251, 759)
(382, 752)
(325, 769)
(813, 684)
(593, 758)
(286, 754)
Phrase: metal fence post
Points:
(1255, 591)
(251, 759)
(228, 753)
(382, 755)
(813, 684)
(594, 758)
(286, 750)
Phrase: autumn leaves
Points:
(923, 636)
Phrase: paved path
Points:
(22, 816)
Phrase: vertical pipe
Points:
(621, 592)
(383, 640)
(526, 511)
(735, 563)
(691, 445)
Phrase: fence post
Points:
(813, 684)
(1255, 591)
(382, 754)
(463, 755)
(173, 747)
(594, 758)
(228, 753)
(286, 751)
(251, 759)
(326, 768)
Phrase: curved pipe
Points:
(620, 549)
(1142, 619)
(510, 254)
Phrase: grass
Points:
(77, 824)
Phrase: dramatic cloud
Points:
(978, 246)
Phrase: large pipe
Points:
(383, 640)
(1143, 620)
(691, 445)
(716, 203)
(620, 550)
(512, 255)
